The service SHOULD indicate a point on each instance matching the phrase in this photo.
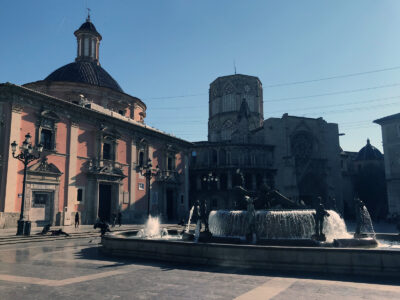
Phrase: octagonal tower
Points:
(226, 95)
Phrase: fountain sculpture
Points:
(303, 239)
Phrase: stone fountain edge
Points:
(349, 261)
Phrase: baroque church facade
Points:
(96, 148)
(298, 156)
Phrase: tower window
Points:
(93, 51)
(86, 47)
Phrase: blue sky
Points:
(158, 50)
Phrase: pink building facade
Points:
(96, 144)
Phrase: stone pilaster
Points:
(132, 176)
(71, 165)
(12, 168)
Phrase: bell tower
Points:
(231, 97)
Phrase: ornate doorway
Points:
(105, 202)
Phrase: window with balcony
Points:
(47, 129)
(141, 159)
(46, 139)
(108, 151)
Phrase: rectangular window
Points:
(141, 158)
(79, 196)
(46, 139)
(141, 186)
(40, 199)
(107, 151)
(170, 164)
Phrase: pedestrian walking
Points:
(77, 220)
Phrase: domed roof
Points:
(369, 152)
(85, 72)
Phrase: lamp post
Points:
(148, 172)
(25, 156)
(210, 178)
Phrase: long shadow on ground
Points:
(93, 252)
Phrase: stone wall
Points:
(8, 220)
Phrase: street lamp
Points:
(148, 172)
(25, 156)
(210, 178)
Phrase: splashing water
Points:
(276, 224)
(366, 226)
(190, 217)
(152, 229)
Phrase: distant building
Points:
(298, 156)
(363, 176)
(391, 148)
(95, 144)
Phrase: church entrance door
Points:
(105, 202)
(170, 204)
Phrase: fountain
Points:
(152, 230)
(275, 224)
(290, 238)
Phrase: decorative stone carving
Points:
(17, 107)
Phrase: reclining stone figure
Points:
(46, 230)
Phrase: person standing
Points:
(113, 219)
(119, 218)
(77, 220)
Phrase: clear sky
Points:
(158, 50)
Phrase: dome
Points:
(369, 152)
(85, 72)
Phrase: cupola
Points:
(88, 42)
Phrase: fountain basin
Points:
(278, 258)
(276, 224)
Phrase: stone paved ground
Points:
(74, 269)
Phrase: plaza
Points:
(146, 153)
(74, 268)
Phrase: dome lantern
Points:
(88, 42)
